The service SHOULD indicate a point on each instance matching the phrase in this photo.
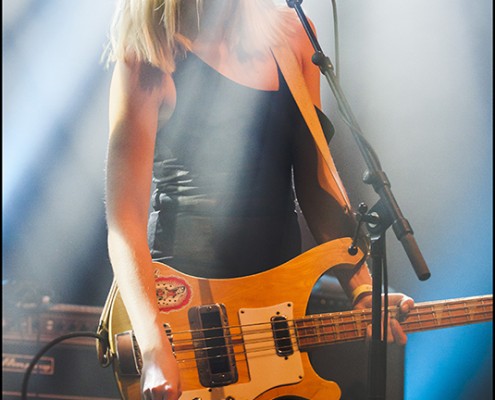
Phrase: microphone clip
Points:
(362, 216)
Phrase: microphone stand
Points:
(384, 213)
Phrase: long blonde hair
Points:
(159, 31)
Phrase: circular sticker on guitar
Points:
(173, 293)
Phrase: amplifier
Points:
(70, 370)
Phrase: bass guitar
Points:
(247, 338)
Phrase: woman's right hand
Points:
(160, 379)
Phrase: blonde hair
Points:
(160, 31)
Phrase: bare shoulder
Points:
(141, 76)
(299, 40)
(303, 50)
(140, 83)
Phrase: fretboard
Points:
(319, 329)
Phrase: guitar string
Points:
(331, 321)
(343, 314)
(422, 309)
(336, 333)
(334, 337)
(341, 317)
(271, 347)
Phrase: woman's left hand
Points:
(403, 302)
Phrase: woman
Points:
(198, 102)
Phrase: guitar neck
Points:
(315, 330)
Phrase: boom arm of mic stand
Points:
(379, 181)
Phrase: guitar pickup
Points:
(281, 336)
(213, 345)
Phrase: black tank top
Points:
(224, 203)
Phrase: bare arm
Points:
(136, 95)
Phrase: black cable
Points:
(43, 350)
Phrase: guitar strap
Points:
(328, 176)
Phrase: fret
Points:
(362, 323)
(471, 311)
(434, 314)
(419, 321)
(351, 325)
(487, 310)
(359, 324)
(336, 326)
(345, 320)
(319, 328)
(343, 327)
(315, 339)
(326, 327)
(334, 329)
(449, 313)
(330, 329)
(466, 310)
(355, 326)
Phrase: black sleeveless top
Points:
(224, 204)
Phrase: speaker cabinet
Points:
(69, 370)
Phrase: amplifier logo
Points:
(20, 362)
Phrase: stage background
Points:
(418, 76)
